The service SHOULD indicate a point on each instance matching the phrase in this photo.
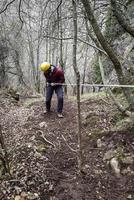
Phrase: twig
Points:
(68, 145)
(20, 12)
(7, 6)
(44, 140)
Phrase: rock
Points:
(43, 124)
(127, 171)
(99, 143)
(32, 138)
(108, 155)
(17, 189)
(18, 197)
(87, 166)
(53, 198)
(37, 155)
(29, 145)
(115, 166)
(110, 145)
(23, 194)
(98, 171)
(41, 148)
(46, 183)
(50, 187)
(32, 196)
(127, 160)
(129, 196)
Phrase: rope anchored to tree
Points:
(91, 85)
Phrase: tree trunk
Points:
(2, 75)
(64, 67)
(84, 72)
(78, 84)
(37, 67)
(60, 33)
(18, 68)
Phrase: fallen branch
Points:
(68, 145)
(42, 138)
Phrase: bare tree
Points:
(78, 84)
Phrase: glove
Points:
(52, 84)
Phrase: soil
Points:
(42, 152)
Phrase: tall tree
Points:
(78, 83)
(3, 56)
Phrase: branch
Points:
(69, 145)
(20, 11)
(129, 1)
(59, 5)
(93, 46)
(13, 73)
(71, 38)
(42, 138)
(7, 6)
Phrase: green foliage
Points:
(117, 91)
(122, 123)
(118, 118)
(91, 95)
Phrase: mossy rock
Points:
(117, 90)
(96, 133)
(42, 148)
(124, 124)
(118, 117)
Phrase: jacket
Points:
(55, 75)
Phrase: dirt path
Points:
(43, 165)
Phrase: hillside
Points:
(43, 163)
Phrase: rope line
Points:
(93, 85)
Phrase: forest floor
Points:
(43, 160)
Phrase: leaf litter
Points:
(43, 159)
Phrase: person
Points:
(54, 78)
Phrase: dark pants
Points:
(49, 93)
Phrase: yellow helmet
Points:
(45, 66)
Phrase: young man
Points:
(54, 77)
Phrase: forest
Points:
(88, 152)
